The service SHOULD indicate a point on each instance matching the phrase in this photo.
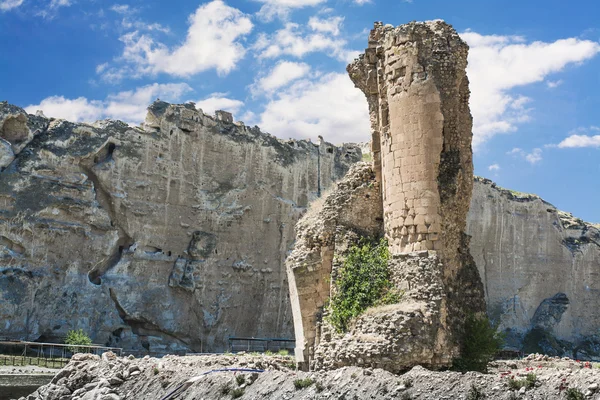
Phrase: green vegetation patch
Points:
(363, 282)
(480, 343)
(303, 383)
(79, 338)
(574, 394)
(528, 382)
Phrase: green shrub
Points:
(475, 393)
(574, 394)
(238, 392)
(319, 386)
(528, 382)
(240, 379)
(481, 342)
(79, 338)
(226, 389)
(283, 352)
(363, 281)
(303, 383)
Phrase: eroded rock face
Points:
(166, 238)
(414, 78)
(540, 269)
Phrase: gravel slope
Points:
(89, 377)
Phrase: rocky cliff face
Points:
(163, 238)
(541, 271)
(89, 214)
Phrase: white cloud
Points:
(129, 20)
(281, 75)
(554, 84)
(515, 151)
(533, 158)
(6, 5)
(219, 101)
(498, 64)
(123, 9)
(327, 25)
(330, 106)
(129, 106)
(579, 138)
(297, 41)
(361, 2)
(494, 167)
(76, 110)
(212, 42)
(60, 3)
(282, 8)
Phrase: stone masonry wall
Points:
(352, 210)
(414, 78)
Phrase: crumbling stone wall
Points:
(352, 210)
(414, 78)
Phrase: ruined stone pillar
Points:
(414, 78)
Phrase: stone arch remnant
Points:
(414, 79)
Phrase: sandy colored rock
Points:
(414, 79)
(164, 238)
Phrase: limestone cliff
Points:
(87, 204)
(169, 237)
(541, 271)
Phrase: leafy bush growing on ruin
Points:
(79, 338)
(363, 281)
(480, 343)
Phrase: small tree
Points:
(79, 338)
(480, 344)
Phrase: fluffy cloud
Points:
(532, 158)
(554, 84)
(6, 5)
(330, 106)
(129, 106)
(297, 41)
(129, 20)
(494, 167)
(498, 64)
(327, 25)
(212, 42)
(579, 138)
(219, 101)
(79, 109)
(282, 74)
(282, 8)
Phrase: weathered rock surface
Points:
(114, 378)
(170, 237)
(540, 268)
(414, 78)
(527, 252)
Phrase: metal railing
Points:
(51, 355)
(260, 344)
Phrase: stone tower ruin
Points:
(414, 79)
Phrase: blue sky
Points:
(534, 68)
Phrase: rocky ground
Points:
(89, 377)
